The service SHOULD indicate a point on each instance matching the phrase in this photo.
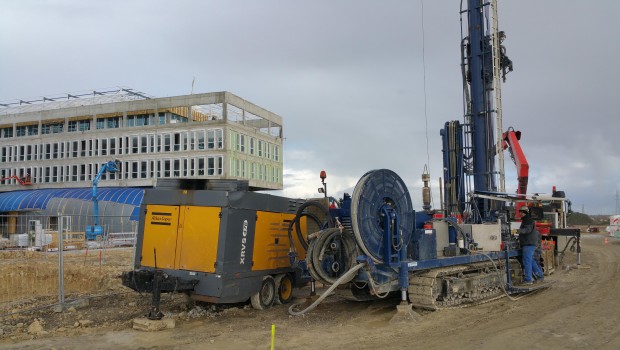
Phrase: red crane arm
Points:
(20, 180)
(511, 142)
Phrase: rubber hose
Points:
(302, 239)
(316, 252)
(349, 275)
(299, 213)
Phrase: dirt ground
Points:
(579, 310)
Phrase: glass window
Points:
(251, 145)
(113, 122)
(242, 143)
(152, 143)
(211, 166)
(134, 144)
(84, 125)
(100, 123)
(167, 167)
(166, 142)
(134, 170)
(144, 144)
(260, 148)
(176, 168)
(210, 139)
(201, 166)
(113, 146)
(143, 169)
(104, 147)
(219, 139)
(177, 141)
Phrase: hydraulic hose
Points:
(301, 212)
(343, 279)
(331, 244)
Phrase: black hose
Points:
(319, 249)
(301, 212)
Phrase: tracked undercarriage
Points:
(459, 286)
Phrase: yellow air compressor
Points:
(218, 246)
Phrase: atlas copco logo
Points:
(244, 238)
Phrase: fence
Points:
(45, 259)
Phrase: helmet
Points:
(524, 209)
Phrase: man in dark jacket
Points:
(528, 239)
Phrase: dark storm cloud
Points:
(347, 76)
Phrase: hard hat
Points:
(524, 209)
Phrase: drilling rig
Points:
(366, 245)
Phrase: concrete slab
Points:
(146, 325)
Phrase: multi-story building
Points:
(51, 149)
(62, 143)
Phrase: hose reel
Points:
(374, 192)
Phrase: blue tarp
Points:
(38, 199)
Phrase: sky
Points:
(361, 84)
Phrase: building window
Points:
(276, 153)
(134, 145)
(260, 148)
(251, 145)
(178, 139)
(219, 138)
(192, 167)
(176, 168)
(113, 122)
(104, 147)
(54, 128)
(167, 167)
(143, 169)
(201, 166)
(134, 170)
(152, 143)
(100, 123)
(241, 143)
(113, 146)
(144, 147)
(6, 132)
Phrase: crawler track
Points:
(459, 286)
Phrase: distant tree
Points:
(579, 219)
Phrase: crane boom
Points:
(511, 143)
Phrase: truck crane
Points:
(95, 232)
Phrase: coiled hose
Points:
(301, 212)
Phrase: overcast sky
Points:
(347, 77)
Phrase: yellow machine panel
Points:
(271, 242)
(198, 238)
(160, 236)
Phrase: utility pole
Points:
(617, 203)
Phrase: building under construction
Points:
(51, 148)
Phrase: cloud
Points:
(348, 77)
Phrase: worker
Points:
(528, 239)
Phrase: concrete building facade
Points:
(62, 142)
